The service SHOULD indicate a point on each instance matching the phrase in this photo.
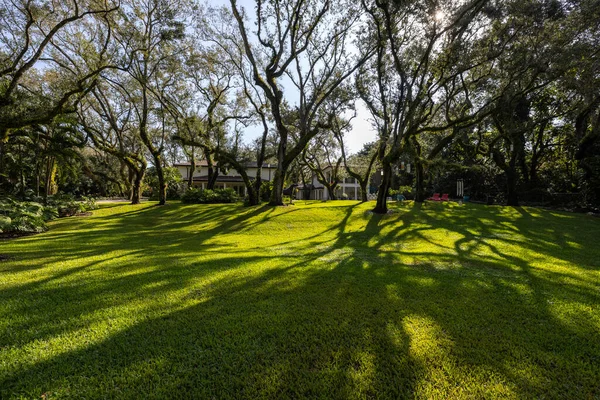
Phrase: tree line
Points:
(505, 94)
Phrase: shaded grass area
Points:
(314, 300)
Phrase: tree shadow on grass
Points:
(340, 315)
(258, 337)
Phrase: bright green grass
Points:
(314, 300)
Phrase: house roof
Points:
(220, 178)
(309, 187)
(203, 163)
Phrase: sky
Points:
(362, 130)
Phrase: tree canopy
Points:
(504, 95)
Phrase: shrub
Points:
(5, 223)
(22, 216)
(66, 205)
(266, 187)
(205, 196)
(175, 185)
(192, 196)
(30, 217)
(405, 190)
(89, 203)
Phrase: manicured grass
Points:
(316, 300)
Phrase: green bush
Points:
(22, 216)
(192, 196)
(5, 223)
(205, 196)
(66, 205)
(266, 187)
(30, 217)
(175, 185)
(406, 190)
(89, 203)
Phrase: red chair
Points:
(444, 197)
(435, 197)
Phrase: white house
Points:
(317, 191)
(231, 179)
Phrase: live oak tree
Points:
(582, 82)
(529, 105)
(209, 99)
(230, 47)
(306, 43)
(419, 80)
(323, 157)
(108, 119)
(359, 166)
(148, 34)
(50, 55)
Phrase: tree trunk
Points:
(162, 185)
(1, 163)
(254, 191)
(37, 174)
(277, 193)
(131, 182)
(50, 172)
(381, 206)
(533, 173)
(419, 173)
(213, 174)
(136, 192)
(331, 190)
(363, 190)
(252, 196)
(279, 178)
(190, 182)
(136, 187)
(511, 187)
(419, 182)
(512, 176)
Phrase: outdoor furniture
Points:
(444, 197)
(435, 197)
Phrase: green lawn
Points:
(317, 300)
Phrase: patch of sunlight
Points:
(428, 343)
(39, 351)
(529, 371)
(443, 376)
(433, 264)
(421, 280)
(362, 368)
(564, 215)
(555, 266)
(575, 314)
(393, 292)
(467, 383)
(429, 346)
(574, 245)
(337, 255)
(393, 246)
(521, 288)
(475, 285)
